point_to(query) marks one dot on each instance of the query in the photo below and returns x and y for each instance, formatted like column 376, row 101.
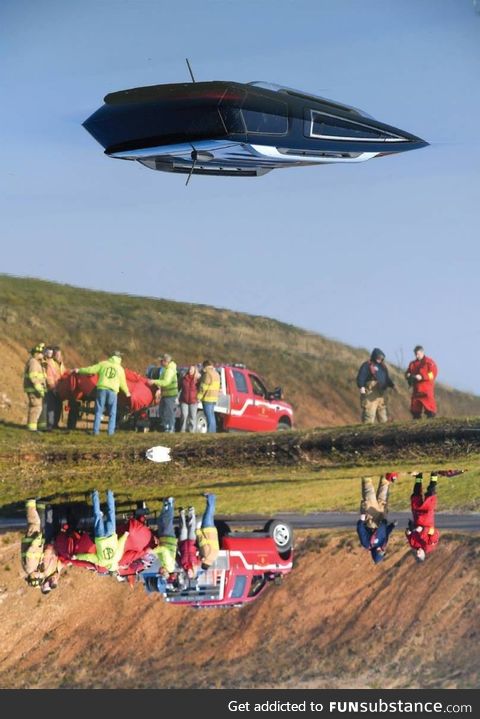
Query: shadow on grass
column 124, row 502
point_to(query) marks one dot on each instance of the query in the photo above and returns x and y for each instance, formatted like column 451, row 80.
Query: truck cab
column 248, row 562
column 245, row 404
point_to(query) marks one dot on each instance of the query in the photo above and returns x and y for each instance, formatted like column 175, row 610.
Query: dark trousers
column 54, row 409
column 167, row 413
column 431, row 489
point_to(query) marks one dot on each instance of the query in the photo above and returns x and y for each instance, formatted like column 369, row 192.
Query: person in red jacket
column 188, row 399
column 421, row 375
column 421, row 533
column 187, row 547
column 70, row 542
column 137, row 546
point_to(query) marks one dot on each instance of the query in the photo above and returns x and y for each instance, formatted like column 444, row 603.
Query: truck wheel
column 281, row 532
column 283, row 425
column 201, row 423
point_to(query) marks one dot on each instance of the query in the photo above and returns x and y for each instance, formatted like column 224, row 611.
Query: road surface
column 467, row 522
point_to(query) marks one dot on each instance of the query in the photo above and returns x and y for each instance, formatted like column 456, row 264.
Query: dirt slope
column 336, row 621
column 316, row 373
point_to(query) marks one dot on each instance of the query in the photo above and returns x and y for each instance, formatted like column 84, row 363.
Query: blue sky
column 383, row 253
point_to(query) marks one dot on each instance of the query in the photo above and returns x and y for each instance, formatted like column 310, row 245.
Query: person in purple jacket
column 373, row 528
column 188, row 399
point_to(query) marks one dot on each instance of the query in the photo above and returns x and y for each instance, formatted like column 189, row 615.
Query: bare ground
column 337, row 621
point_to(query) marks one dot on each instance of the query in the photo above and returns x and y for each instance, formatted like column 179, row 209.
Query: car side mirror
column 276, row 393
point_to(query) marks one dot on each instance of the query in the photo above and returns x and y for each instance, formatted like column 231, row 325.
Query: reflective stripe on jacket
column 207, row 540
column 32, row 552
column 209, row 385
column 166, row 552
column 34, row 380
column 423, row 389
column 38, row 559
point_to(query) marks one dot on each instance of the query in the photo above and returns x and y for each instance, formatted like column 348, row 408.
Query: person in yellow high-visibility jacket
column 109, row 547
column 38, row 556
column 166, row 549
column 168, row 383
column 207, row 534
column 111, row 379
column 208, row 393
column 35, row 387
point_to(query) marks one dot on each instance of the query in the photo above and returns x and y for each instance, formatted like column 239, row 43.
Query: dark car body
column 231, row 128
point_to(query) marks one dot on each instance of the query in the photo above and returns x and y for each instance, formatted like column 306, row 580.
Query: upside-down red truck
column 247, row 563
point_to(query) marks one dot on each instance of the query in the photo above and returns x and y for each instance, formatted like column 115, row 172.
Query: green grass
column 70, row 464
column 261, row 490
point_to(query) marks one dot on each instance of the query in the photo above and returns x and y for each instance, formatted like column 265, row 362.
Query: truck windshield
column 239, row 586
column 258, row 388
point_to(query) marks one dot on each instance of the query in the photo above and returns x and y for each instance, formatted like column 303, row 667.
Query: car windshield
column 258, row 388
column 324, row 125
column 265, row 115
column 308, row 96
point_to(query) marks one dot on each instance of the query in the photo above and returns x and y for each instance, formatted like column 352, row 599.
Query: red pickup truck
column 244, row 404
column 248, row 562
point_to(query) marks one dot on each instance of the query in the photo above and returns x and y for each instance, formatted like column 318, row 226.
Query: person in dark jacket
column 372, row 527
column 373, row 382
column 188, row 399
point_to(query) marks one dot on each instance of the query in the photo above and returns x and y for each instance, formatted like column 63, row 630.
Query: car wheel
column 282, row 534
column 201, row 423
column 283, row 425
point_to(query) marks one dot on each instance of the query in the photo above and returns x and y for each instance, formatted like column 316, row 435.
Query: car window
column 265, row 115
column 240, row 381
column 258, row 582
column 232, row 119
column 323, row 125
column 258, row 388
column 239, row 586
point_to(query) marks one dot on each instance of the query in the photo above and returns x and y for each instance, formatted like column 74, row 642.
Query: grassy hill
column 316, row 373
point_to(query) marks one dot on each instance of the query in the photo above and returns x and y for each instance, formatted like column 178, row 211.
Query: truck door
column 262, row 409
column 240, row 399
